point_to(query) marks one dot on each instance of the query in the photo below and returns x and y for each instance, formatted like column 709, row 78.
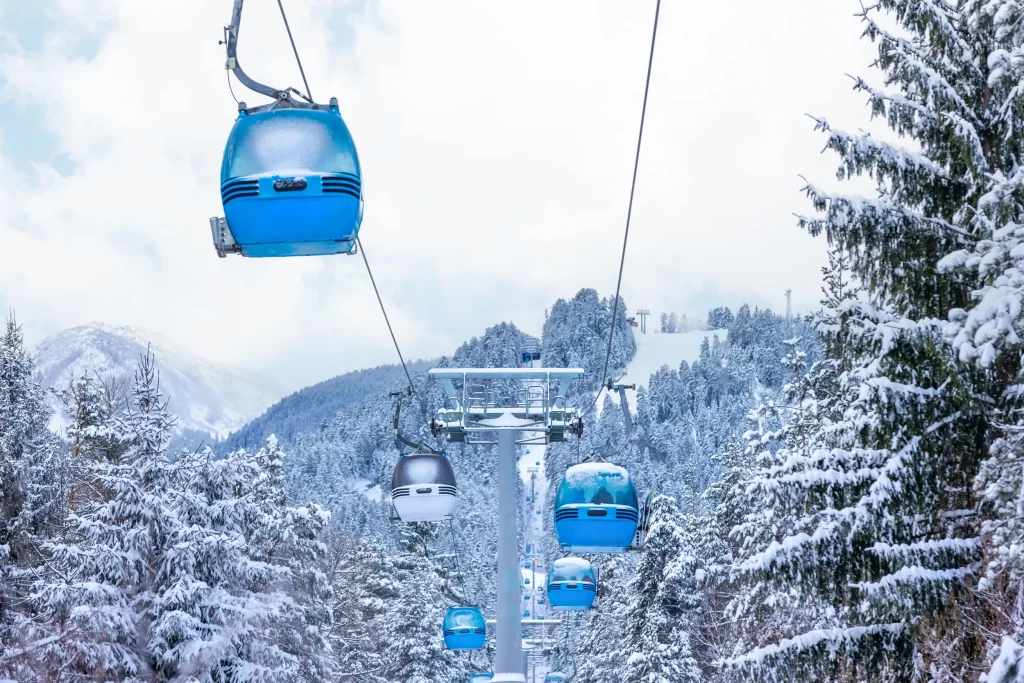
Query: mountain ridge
column 206, row 396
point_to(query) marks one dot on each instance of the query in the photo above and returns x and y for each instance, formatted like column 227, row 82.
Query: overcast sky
column 496, row 140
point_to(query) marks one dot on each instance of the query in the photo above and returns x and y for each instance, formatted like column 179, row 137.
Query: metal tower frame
column 537, row 409
column 643, row 313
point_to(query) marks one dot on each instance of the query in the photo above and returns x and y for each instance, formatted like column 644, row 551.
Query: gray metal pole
column 533, row 561
column 508, row 658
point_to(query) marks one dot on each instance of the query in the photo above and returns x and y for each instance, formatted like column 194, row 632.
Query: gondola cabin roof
column 289, row 142
column 571, row 569
column 596, row 483
column 423, row 468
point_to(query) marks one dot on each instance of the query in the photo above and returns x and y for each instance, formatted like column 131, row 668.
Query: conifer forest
column 835, row 494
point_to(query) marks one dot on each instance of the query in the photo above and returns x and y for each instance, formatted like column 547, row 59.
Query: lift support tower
column 531, row 410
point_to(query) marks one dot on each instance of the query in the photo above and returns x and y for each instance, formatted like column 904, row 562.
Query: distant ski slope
column 654, row 350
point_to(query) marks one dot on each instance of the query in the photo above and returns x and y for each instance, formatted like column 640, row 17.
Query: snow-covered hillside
column 206, row 396
column 655, row 350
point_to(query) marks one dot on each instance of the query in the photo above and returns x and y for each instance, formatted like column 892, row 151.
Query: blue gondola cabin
column 464, row 628
column 596, row 509
column 291, row 184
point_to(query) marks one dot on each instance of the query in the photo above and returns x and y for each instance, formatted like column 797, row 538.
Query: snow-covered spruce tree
column 576, row 336
column 884, row 530
column 987, row 331
column 762, row 612
column 101, row 600
column 713, row 634
column 364, row 587
column 32, row 495
column 600, row 655
column 412, row 629
column 288, row 538
column 872, row 537
column 90, row 403
column 656, row 647
column 214, row 613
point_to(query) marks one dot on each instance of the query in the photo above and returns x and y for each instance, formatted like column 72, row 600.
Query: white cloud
column 497, row 145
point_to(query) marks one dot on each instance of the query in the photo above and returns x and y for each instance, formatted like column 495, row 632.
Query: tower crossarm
column 538, row 405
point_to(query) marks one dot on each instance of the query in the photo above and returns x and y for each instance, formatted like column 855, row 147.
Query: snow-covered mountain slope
column 206, row 396
column 656, row 349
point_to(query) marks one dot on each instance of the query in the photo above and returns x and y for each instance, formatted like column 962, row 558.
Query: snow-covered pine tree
column 576, row 336
column 364, row 586
column 720, row 318
column 600, row 656
column 32, row 495
column 412, row 629
column 656, row 647
column 89, row 404
column 762, row 612
column 215, row 609
column 288, row 538
column 884, row 529
column 986, row 331
column 862, row 573
column 98, row 603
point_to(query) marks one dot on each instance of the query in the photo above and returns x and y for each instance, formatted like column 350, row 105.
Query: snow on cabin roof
column 592, row 472
column 576, row 564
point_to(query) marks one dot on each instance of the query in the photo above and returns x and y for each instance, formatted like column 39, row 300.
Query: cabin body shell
column 423, row 488
column 596, row 509
column 291, row 183
column 464, row 628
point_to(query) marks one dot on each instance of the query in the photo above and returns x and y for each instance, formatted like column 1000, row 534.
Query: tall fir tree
column 32, row 501
column 365, row 587
column 986, row 330
column 884, row 529
column 413, row 627
column 288, row 538
column 104, row 598
column 601, row 654
column 659, row 615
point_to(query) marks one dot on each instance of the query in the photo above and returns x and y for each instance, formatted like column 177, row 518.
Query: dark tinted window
column 423, row 469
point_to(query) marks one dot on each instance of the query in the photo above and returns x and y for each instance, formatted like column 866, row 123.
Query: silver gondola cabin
column 423, row 488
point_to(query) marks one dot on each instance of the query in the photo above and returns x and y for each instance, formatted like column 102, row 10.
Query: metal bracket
column 223, row 240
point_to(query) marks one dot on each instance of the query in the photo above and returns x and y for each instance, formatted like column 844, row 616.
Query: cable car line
column 458, row 561
column 309, row 94
column 373, row 282
column 629, row 212
column 596, row 506
column 358, row 242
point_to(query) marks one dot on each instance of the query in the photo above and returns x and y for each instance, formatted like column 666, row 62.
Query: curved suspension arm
column 231, row 39
column 399, row 437
column 627, row 418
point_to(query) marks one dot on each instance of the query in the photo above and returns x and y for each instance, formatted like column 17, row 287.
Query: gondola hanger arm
column 626, row 416
column 231, row 40
column 401, row 438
